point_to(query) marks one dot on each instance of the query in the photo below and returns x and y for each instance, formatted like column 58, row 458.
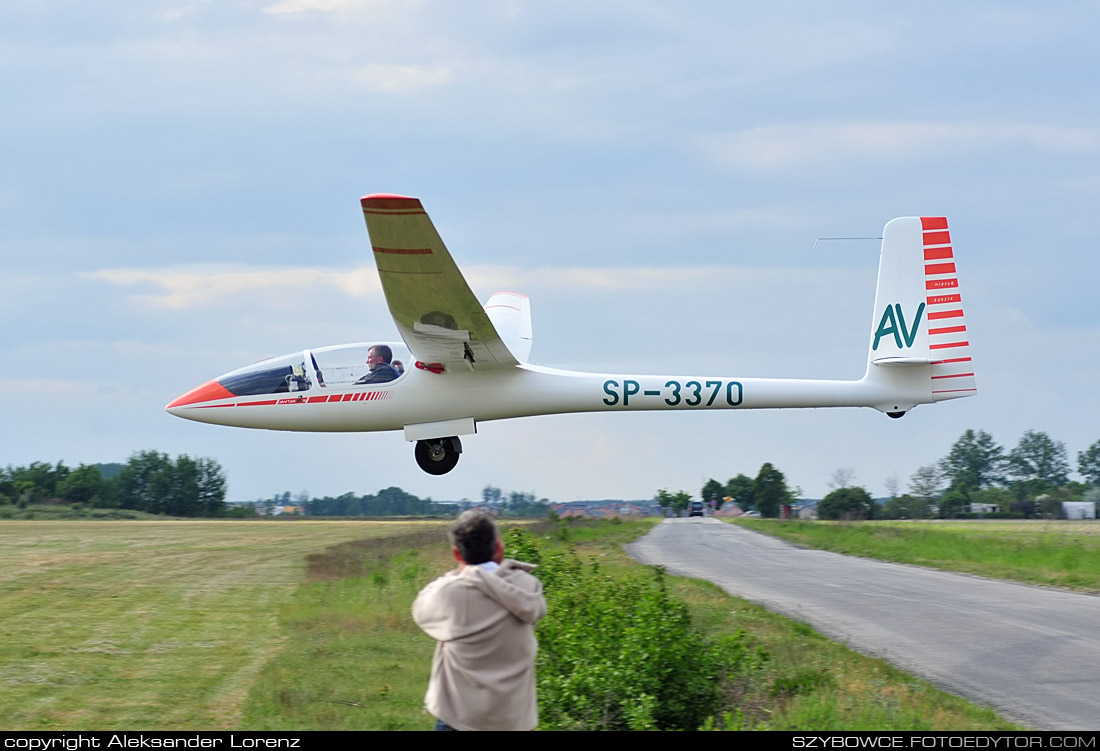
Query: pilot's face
column 373, row 359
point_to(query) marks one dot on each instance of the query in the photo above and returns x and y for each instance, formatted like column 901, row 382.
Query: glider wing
column 436, row 313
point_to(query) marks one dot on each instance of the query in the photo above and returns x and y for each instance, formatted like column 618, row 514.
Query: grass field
column 305, row 625
column 1051, row 553
column 146, row 625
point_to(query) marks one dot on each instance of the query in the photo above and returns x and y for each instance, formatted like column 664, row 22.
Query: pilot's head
column 379, row 353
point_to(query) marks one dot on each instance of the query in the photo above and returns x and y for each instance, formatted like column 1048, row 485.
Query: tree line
column 1030, row 480
column 390, row 501
column 394, row 501
column 766, row 494
column 149, row 481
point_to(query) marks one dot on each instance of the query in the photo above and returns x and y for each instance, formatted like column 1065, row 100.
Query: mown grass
column 355, row 660
column 146, row 625
column 306, row 625
column 1050, row 553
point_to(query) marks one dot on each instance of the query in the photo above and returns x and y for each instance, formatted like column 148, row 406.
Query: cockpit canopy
column 341, row 367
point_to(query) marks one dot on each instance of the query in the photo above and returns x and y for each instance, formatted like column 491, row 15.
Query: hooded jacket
column 483, row 673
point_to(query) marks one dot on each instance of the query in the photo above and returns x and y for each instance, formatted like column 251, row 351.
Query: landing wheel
column 439, row 455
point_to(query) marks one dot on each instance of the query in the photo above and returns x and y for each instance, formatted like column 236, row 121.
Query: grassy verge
column 146, row 625
column 354, row 659
column 1050, row 553
column 807, row 682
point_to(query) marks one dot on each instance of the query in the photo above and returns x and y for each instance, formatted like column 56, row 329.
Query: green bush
column 621, row 653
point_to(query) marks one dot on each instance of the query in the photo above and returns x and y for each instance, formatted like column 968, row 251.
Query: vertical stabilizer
column 918, row 320
column 510, row 313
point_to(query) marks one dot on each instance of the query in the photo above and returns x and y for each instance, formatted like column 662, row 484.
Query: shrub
column 621, row 653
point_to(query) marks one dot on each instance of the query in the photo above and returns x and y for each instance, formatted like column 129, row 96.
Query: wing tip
column 389, row 201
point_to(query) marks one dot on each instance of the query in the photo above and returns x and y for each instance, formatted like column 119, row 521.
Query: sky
column 179, row 186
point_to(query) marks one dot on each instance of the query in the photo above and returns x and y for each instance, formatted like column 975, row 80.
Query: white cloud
column 187, row 288
column 786, row 146
column 289, row 7
column 206, row 286
column 43, row 386
column 395, row 77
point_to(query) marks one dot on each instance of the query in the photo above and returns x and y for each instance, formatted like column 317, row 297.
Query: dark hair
column 383, row 351
column 475, row 534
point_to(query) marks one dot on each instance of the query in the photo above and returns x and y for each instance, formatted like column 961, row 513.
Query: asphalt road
column 1031, row 653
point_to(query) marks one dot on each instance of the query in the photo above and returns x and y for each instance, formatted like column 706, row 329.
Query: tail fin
column 918, row 316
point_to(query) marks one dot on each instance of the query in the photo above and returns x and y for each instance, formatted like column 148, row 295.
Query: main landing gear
column 438, row 456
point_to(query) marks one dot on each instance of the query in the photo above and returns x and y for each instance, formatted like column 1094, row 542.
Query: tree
column 955, row 501
column 893, row 485
column 83, row 485
column 1088, row 463
column 974, row 460
column 1039, row 458
column 740, row 489
column 154, row 483
column 905, row 507
column 849, row 504
column 925, row 482
column 770, row 492
column 675, row 502
column 491, row 495
column 713, row 491
column 842, row 478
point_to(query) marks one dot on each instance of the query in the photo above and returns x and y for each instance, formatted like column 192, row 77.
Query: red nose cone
column 207, row 392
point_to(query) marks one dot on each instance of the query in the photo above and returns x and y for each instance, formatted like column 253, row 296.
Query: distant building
column 984, row 508
column 1079, row 509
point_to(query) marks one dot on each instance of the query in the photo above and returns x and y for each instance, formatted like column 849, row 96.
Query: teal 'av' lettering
column 893, row 322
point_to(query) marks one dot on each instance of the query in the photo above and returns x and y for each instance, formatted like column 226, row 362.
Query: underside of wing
column 436, row 313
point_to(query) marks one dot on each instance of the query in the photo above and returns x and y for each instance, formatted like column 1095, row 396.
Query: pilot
column 378, row 360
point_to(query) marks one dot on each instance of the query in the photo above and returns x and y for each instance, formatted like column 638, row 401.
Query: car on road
column 696, row 509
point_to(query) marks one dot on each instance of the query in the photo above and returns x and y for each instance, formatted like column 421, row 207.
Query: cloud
column 290, row 7
column 787, row 146
column 395, row 77
column 202, row 287
column 43, row 386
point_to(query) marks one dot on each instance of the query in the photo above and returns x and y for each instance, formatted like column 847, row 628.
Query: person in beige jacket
column 483, row 616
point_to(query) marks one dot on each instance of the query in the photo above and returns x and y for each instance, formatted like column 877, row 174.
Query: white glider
column 462, row 363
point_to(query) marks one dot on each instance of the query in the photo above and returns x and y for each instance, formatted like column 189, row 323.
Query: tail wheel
column 438, row 456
